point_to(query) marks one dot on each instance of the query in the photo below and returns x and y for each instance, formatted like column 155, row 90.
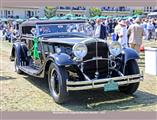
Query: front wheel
column 130, row 69
column 57, row 77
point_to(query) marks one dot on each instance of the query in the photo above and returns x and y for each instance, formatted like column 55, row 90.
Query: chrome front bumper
column 99, row 83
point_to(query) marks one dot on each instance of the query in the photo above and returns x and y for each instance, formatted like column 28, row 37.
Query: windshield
column 49, row 29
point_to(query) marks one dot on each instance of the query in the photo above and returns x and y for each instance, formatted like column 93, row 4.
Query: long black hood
column 69, row 41
column 73, row 40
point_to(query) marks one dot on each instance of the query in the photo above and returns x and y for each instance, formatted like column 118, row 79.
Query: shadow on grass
column 2, row 78
column 97, row 100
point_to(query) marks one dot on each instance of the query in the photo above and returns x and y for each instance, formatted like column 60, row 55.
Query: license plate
column 110, row 86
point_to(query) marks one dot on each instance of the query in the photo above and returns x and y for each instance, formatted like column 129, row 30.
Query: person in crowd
column 155, row 29
column 150, row 28
column 88, row 29
column 106, row 21
column 136, row 32
column 114, row 23
column 15, row 35
column 144, row 25
column 100, row 30
column 14, row 24
column 1, row 29
column 110, row 27
column 92, row 23
column 122, row 33
column 4, row 33
column 8, row 35
column 131, row 21
column 117, row 30
column 127, row 23
column 11, row 33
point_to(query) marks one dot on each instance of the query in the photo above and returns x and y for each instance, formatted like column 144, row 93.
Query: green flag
column 35, row 52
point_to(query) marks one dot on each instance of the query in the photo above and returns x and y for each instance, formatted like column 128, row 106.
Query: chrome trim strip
column 93, row 39
column 103, row 80
column 100, row 83
column 95, row 58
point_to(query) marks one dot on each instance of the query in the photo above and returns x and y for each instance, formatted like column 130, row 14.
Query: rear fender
column 21, row 52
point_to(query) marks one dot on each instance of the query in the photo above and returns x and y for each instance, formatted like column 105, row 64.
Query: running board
column 30, row 70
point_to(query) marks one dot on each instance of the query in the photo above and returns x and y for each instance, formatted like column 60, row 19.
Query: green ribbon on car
column 35, row 51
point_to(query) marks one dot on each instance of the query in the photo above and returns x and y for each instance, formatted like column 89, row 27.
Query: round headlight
column 80, row 50
column 115, row 48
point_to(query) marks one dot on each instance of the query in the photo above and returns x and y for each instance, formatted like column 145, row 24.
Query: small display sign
column 111, row 86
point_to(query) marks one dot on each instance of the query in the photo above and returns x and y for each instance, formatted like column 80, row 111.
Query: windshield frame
column 76, row 34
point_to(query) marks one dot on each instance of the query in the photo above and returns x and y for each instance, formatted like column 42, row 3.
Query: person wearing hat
column 100, row 30
column 136, row 32
column 123, row 36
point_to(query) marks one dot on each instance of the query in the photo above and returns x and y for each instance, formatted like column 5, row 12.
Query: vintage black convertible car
column 63, row 53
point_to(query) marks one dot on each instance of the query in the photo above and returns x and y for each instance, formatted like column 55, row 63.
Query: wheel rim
column 54, row 82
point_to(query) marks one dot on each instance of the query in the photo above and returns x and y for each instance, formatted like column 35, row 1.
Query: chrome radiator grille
column 96, row 60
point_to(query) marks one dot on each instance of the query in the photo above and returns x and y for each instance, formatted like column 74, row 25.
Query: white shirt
column 150, row 26
column 124, row 39
column 89, row 30
column 14, row 22
column 117, row 29
column 97, row 31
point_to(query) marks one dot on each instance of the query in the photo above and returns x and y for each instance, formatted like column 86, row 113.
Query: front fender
column 61, row 59
column 130, row 54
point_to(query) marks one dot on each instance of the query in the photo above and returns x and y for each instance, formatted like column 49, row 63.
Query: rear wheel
column 57, row 77
column 131, row 69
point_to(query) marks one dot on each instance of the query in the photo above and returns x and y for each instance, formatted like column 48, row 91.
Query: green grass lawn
column 151, row 43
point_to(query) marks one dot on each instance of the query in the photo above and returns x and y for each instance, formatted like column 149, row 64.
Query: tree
column 138, row 12
column 50, row 11
column 95, row 12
